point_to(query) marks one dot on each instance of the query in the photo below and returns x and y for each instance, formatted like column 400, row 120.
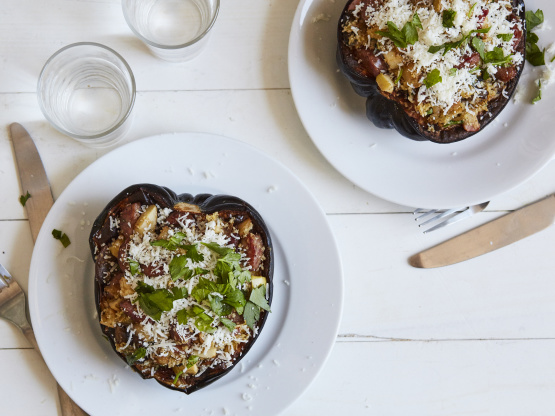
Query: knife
column 490, row 236
column 33, row 179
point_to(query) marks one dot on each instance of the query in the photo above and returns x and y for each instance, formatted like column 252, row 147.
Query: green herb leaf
column 497, row 58
column 430, row 111
column 432, row 78
column 258, row 297
column 179, row 293
column 399, row 75
column 177, row 377
column 173, row 243
column 538, row 97
column 236, row 298
column 448, row 18
column 453, row 71
column 192, row 253
column 471, row 11
column 228, row 323
column 216, row 248
column 23, row 198
column 533, row 19
column 505, row 37
column 155, row 301
column 479, row 46
column 134, row 266
column 204, row 323
column 252, row 314
column 408, row 35
column 534, row 54
column 452, row 45
column 64, row 239
column 192, row 360
column 218, row 306
column 453, row 123
column 179, row 269
column 139, row 354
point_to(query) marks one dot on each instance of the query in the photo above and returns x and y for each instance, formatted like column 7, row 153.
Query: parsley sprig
column 408, row 35
column 534, row 54
column 453, row 45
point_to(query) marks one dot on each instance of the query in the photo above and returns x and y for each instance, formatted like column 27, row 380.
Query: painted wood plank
column 368, row 378
column 508, row 293
column 264, row 119
column 247, row 49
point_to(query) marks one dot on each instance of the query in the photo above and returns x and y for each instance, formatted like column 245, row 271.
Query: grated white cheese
column 469, row 16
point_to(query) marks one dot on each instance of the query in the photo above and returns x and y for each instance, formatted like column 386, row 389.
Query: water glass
column 87, row 91
column 174, row 30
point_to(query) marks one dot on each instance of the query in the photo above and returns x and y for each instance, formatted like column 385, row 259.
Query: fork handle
column 67, row 406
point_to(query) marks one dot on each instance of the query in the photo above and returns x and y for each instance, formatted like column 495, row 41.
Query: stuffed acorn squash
column 183, row 284
column 437, row 70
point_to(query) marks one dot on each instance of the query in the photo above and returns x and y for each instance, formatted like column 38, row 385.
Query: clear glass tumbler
column 174, row 30
column 87, row 91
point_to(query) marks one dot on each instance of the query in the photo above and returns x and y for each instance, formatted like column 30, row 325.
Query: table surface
column 472, row 338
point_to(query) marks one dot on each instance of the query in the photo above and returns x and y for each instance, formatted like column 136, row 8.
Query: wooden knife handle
column 67, row 406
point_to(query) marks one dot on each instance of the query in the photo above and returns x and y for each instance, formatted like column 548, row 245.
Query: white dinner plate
column 308, row 286
column 418, row 174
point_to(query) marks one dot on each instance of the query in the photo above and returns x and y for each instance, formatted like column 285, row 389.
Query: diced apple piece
column 192, row 370
column 245, row 227
column 258, row 281
column 385, row 83
column 115, row 246
column 147, row 221
column 209, row 353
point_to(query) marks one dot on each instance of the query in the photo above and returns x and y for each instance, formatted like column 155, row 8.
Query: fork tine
column 424, row 213
column 456, row 218
column 439, row 216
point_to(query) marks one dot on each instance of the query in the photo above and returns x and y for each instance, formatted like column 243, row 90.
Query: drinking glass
column 87, row 91
column 174, row 30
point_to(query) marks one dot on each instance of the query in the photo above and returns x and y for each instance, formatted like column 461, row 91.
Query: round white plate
column 419, row 174
column 308, row 285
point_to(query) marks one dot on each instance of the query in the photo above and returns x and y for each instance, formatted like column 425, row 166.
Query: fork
column 446, row 217
column 12, row 308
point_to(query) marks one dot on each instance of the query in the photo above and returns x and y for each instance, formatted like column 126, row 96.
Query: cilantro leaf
column 192, row 252
column 155, row 301
column 452, row 45
column 533, row 19
column 505, row 37
column 192, row 360
column 218, row 306
column 251, row 314
column 179, row 293
column 479, row 45
column 236, row 298
column 134, row 266
column 408, row 35
column 496, row 57
column 173, row 243
column 64, row 239
column 216, row 248
column 448, row 18
column 138, row 355
column 432, row 78
column 179, row 269
column 228, row 323
column 23, row 198
column 534, row 54
column 258, row 297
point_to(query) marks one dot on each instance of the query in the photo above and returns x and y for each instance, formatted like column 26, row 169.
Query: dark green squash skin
column 386, row 113
column 148, row 194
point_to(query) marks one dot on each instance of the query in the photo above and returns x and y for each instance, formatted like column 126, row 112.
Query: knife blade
column 491, row 236
column 33, row 179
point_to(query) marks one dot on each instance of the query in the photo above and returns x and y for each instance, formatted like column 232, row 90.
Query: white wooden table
column 473, row 338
